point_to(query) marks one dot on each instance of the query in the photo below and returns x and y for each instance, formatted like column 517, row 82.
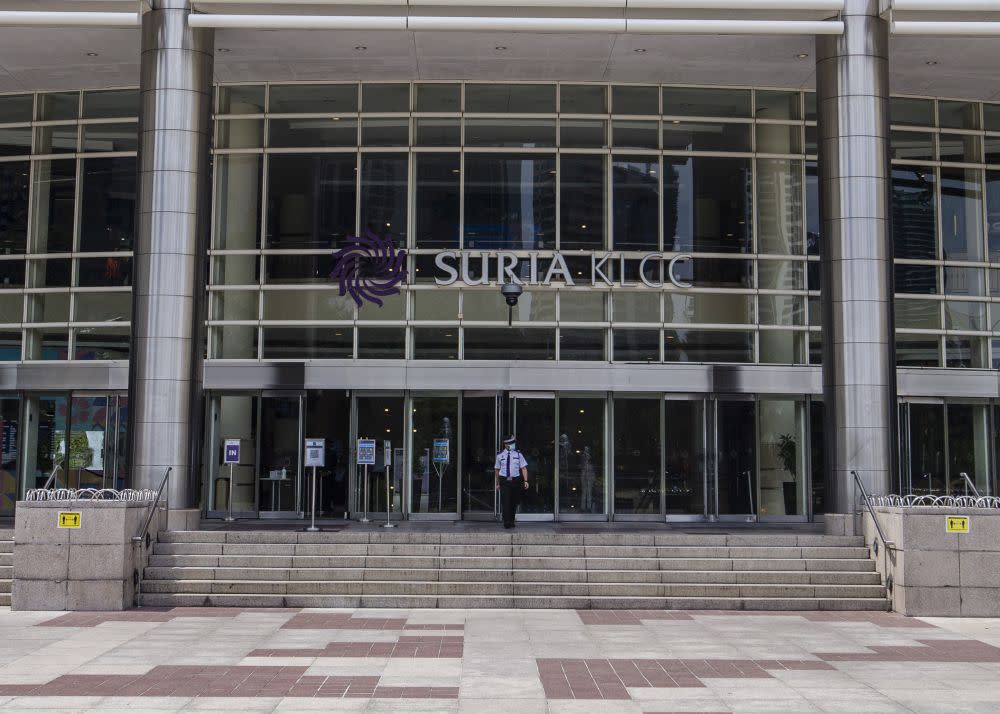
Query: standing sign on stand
column 315, row 458
column 387, row 462
column 231, row 456
column 366, row 458
column 440, row 457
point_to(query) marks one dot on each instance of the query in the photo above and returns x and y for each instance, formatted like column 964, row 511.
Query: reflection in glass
column 581, row 345
column 56, row 139
column 927, row 449
column 736, row 458
column 381, row 342
column 966, row 352
column 635, row 134
column 911, row 145
column 530, row 343
column 101, row 343
column 289, row 305
column 684, row 454
column 779, row 138
column 385, row 97
column 912, row 112
column 437, row 200
column 782, row 457
column 637, row 461
column 779, row 206
column 968, row 448
column 686, row 136
column 707, row 204
column 627, row 99
column 385, row 132
column 308, row 343
column 708, row 346
column 510, row 98
column 534, row 422
column 702, row 102
column 918, row 314
column 916, row 279
column 310, row 202
column 961, row 148
column 382, row 418
column 583, row 134
column 278, row 470
column 509, row 201
column 110, row 137
column 582, row 187
column 526, row 133
column 237, row 205
column 993, row 215
column 917, row 350
column 773, row 104
column 632, row 345
column 112, row 104
column 14, row 205
column 437, row 132
column 438, row 97
column 107, row 204
column 635, row 188
column 583, row 99
column 958, row 115
column 233, row 342
column 313, row 98
column 914, row 212
column 56, row 106
column 479, row 448
column 961, row 214
column 581, row 455
column 315, row 131
column 434, row 421
column 435, row 342
column 241, row 99
column 383, row 195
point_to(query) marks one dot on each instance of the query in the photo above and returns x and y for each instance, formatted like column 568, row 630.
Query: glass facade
column 555, row 176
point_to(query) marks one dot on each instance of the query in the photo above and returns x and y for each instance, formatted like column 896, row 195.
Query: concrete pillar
column 173, row 220
column 859, row 370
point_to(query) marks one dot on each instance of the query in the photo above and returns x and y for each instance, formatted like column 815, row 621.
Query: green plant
column 787, row 453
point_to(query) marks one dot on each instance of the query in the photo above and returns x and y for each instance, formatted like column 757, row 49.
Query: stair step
column 513, row 575
column 542, row 563
column 488, row 601
column 538, row 588
column 495, row 551
column 669, row 538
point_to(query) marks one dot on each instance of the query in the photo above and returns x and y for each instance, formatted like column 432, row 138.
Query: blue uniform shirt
column 510, row 463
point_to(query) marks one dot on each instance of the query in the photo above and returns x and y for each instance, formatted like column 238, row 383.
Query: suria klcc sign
column 483, row 267
column 371, row 267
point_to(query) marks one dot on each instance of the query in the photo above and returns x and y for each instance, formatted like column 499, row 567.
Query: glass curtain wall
column 434, row 453
column 942, row 441
column 581, row 455
column 67, row 224
column 299, row 169
column 10, row 432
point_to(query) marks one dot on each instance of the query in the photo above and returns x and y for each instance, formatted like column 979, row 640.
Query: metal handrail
column 144, row 532
column 52, row 477
column 143, row 535
column 871, row 511
column 969, row 485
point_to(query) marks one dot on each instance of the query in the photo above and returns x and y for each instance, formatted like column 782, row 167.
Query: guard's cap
column 509, row 440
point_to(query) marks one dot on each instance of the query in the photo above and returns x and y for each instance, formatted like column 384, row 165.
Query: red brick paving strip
column 609, row 678
column 222, row 681
column 927, row 651
column 405, row 646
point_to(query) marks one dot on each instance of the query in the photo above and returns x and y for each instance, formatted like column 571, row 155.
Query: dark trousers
column 510, row 497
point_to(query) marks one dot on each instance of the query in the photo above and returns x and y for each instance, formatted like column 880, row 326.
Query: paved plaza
column 496, row 661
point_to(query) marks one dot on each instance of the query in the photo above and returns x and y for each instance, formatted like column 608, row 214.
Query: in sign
column 232, row 452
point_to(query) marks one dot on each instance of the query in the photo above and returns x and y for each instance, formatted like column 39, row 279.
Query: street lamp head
column 511, row 292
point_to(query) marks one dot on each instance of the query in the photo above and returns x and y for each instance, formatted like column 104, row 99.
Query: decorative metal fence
column 912, row 500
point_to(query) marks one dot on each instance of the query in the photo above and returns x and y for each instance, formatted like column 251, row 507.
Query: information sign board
column 366, row 452
column 956, row 524
column 387, row 452
column 315, row 453
column 70, row 519
column 440, row 453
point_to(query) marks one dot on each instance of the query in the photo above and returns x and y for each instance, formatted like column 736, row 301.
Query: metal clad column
column 859, row 371
column 174, row 204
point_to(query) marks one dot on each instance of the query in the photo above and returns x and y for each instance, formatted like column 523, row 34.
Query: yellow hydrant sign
column 957, row 524
column 69, row 519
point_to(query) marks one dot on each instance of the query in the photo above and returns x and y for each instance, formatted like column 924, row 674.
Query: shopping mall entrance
column 591, row 456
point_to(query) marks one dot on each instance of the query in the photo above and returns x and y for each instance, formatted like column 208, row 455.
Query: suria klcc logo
column 369, row 267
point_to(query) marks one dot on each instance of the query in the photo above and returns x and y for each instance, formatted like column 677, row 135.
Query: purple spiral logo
column 369, row 267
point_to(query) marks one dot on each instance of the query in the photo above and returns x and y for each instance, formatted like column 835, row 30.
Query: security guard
column 511, row 472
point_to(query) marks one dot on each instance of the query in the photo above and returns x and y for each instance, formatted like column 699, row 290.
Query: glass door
column 279, row 464
column 637, row 440
column 736, row 459
column 232, row 417
column 380, row 417
column 685, row 458
column 434, row 456
column 925, row 458
column 531, row 417
column 328, row 416
column 581, row 457
column 480, row 440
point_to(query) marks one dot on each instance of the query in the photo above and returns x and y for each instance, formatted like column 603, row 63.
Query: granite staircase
column 6, row 565
column 666, row 570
